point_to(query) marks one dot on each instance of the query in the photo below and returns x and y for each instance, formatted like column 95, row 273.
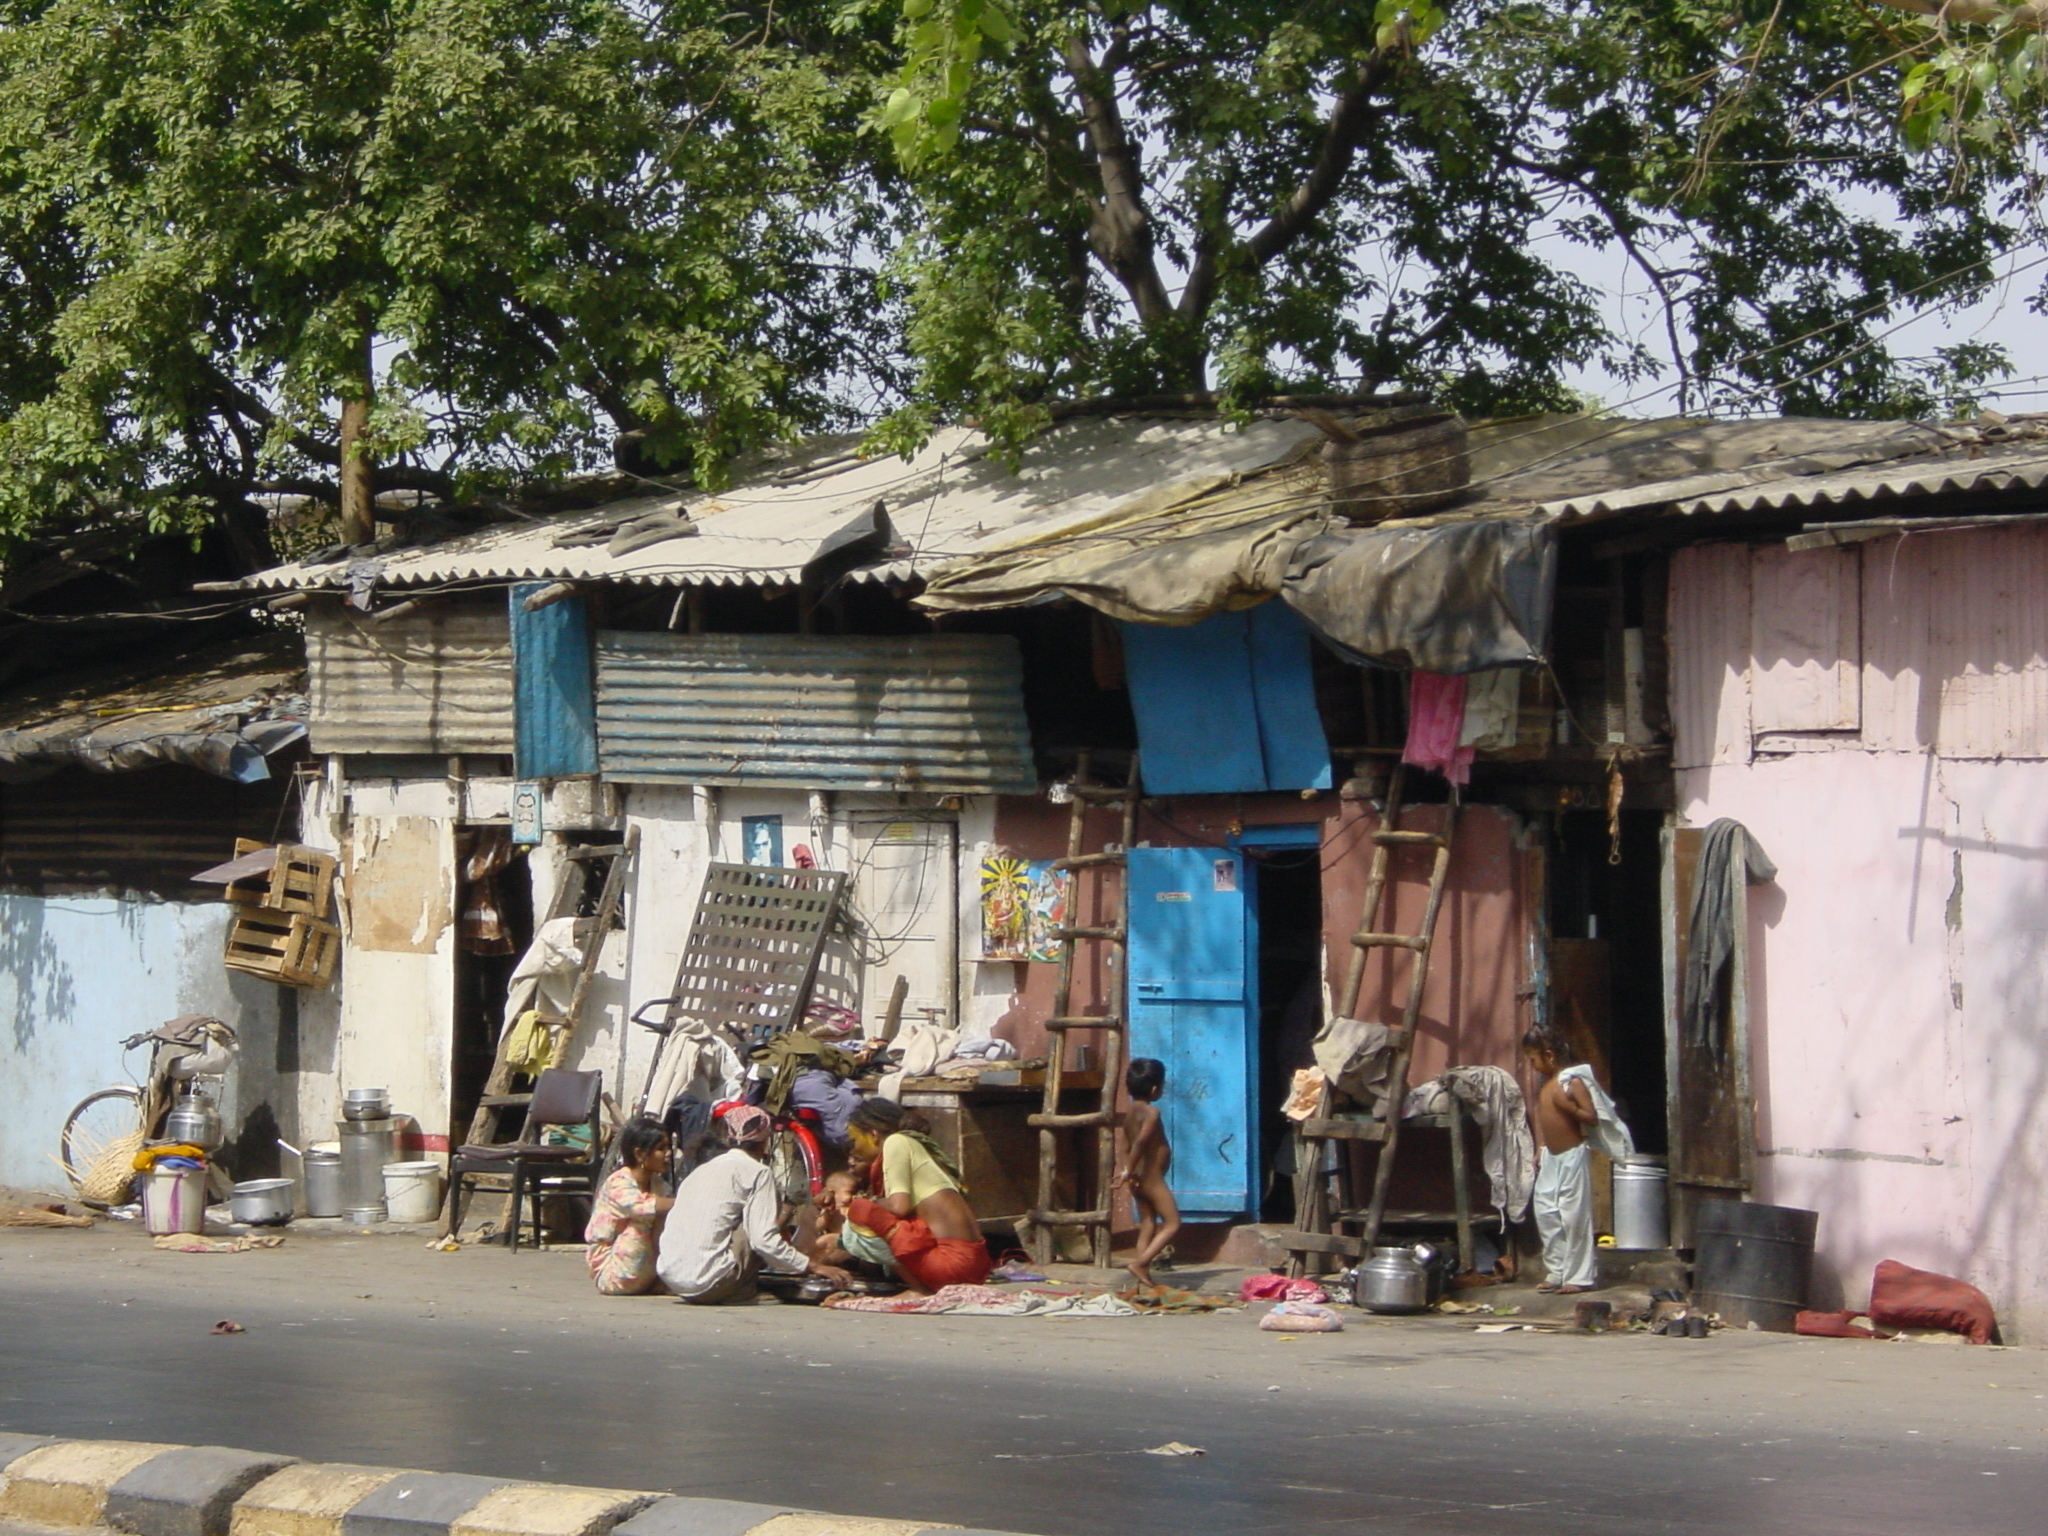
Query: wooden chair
column 559, row 1098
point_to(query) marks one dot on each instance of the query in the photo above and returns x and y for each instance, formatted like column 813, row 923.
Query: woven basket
column 1413, row 462
column 111, row 1178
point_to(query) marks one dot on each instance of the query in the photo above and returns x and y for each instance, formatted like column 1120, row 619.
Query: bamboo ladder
column 1046, row 1216
column 1314, row 1220
column 497, row 1096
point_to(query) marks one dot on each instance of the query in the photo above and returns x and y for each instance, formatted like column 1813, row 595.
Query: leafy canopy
column 537, row 223
column 1266, row 194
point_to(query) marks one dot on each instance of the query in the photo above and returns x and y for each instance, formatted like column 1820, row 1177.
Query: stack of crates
column 282, row 932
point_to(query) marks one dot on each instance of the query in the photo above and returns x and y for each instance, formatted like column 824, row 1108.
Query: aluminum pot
column 195, row 1121
column 1393, row 1281
column 366, row 1104
column 262, row 1202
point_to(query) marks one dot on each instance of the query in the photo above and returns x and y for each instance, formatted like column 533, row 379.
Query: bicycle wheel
column 99, row 1142
column 786, row 1163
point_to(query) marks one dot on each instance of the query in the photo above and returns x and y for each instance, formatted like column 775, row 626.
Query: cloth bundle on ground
column 1301, row 1317
column 1495, row 1100
column 1281, row 1288
column 989, row 1301
column 1904, row 1297
column 1831, row 1325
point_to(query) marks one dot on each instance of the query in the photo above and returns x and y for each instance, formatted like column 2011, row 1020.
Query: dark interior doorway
column 1607, row 958
column 483, row 970
column 1287, row 928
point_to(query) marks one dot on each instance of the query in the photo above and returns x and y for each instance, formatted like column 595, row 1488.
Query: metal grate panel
column 754, row 946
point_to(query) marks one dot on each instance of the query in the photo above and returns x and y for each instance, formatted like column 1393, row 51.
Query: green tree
column 513, row 232
column 1121, row 196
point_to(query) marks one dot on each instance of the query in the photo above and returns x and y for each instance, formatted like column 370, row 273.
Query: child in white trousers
column 1569, row 1109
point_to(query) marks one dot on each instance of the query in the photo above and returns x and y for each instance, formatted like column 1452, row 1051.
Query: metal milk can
column 1393, row 1281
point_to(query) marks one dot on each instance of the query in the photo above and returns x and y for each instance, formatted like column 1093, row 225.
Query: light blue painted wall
column 80, row 973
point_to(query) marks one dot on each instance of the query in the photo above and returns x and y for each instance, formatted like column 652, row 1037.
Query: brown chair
column 559, row 1098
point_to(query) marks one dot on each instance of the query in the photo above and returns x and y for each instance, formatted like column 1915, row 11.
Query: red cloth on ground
column 1831, row 1325
column 1436, row 718
column 1904, row 1297
column 1280, row 1288
column 932, row 1262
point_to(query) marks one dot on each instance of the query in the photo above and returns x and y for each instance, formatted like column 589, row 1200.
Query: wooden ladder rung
column 1088, row 861
column 1415, row 941
column 1099, row 794
column 1343, row 1130
column 606, row 851
column 1412, row 839
column 1111, row 935
column 1068, row 1122
column 1085, row 1021
column 1068, row 1218
column 504, row 1100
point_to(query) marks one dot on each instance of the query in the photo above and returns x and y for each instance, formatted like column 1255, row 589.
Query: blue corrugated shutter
column 1226, row 706
column 554, row 698
column 1190, row 1009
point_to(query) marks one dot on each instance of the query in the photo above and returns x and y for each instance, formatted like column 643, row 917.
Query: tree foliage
column 1123, row 196
column 539, row 224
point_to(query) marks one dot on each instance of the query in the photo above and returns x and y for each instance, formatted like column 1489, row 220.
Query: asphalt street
column 499, row 1364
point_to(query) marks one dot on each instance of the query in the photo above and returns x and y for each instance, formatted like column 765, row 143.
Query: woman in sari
column 922, row 1214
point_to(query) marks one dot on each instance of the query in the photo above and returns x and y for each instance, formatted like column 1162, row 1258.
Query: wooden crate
column 289, row 948
column 302, row 880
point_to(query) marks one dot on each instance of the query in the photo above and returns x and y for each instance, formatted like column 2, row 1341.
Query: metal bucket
column 324, row 1195
column 1641, row 1217
column 366, row 1146
column 1753, row 1263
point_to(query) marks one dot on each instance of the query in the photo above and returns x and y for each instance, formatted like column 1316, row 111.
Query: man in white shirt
column 722, row 1228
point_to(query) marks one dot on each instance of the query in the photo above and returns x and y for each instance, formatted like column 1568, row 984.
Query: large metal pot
column 1393, row 1281
column 195, row 1121
column 262, row 1202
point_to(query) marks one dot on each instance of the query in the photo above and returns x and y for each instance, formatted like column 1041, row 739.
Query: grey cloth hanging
column 1730, row 861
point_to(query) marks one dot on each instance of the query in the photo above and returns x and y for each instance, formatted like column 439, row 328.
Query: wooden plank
column 1297, row 1241
column 1343, row 1130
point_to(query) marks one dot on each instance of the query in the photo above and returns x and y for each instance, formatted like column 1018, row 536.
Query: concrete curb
column 181, row 1490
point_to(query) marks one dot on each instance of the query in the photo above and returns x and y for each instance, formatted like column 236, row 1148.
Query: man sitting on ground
column 722, row 1228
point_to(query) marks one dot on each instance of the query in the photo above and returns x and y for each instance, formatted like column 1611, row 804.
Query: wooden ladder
column 497, row 1096
column 1046, row 1215
column 1314, row 1220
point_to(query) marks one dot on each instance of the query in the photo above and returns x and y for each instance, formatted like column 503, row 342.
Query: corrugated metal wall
column 938, row 713
column 557, row 721
column 438, row 681
column 1950, row 648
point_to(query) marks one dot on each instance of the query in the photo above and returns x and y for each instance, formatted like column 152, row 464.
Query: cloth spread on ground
column 192, row 1242
column 1564, row 1216
column 925, row 1259
column 1162, row 1299
column 1493, row 709
column 1730, row 860
column 1436, row 722
column 1356, row 1055
column 733, row 1192
column 1495, row 1100
column 989, row 1301
column 915, row 1165
column 621, row 1236
column 1607, row 1133
column 831, row 1097
column 1280, row 1288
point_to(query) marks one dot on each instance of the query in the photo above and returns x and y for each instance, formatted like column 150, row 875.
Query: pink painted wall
column 1899, row 979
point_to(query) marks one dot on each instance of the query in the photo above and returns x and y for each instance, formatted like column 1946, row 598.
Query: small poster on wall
column 1023, row 902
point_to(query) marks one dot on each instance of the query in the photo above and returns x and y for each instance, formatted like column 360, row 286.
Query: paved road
column 489, row 1363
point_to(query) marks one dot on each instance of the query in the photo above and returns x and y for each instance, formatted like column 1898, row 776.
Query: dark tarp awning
column 1461, row 597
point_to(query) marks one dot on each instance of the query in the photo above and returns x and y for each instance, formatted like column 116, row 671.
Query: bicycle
column 97, row 1146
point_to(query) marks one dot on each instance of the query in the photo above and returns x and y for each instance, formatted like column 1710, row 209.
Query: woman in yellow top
column 922, row 1215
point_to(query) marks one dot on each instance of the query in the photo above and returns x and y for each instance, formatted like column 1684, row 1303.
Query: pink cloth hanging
column 1436, row 718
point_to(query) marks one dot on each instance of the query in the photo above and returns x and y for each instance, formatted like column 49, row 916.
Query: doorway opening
column 497, row 927
column 1607, row 958
column 1285, row 943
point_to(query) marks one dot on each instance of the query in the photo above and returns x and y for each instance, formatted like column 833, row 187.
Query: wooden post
column 358, row 471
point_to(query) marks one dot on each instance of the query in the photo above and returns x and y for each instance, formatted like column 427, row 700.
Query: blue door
column 1190, row 984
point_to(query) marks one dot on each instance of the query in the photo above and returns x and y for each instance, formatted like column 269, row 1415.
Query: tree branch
column 1121, row 232
column 1341, row 136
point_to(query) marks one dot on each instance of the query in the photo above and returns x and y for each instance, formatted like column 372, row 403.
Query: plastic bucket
column 1753, row 1263
column 1641, row 1217
column 412, row 1191
column 174, row 1200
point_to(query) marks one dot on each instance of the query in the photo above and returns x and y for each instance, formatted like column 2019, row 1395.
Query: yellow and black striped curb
column 145, row 1489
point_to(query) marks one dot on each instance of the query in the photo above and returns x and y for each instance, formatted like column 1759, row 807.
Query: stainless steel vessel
column 1393, row 1281
column 366, row 1146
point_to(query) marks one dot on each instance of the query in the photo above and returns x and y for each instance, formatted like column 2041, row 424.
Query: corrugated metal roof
column 934, row 713
column 437, row 682
column 2019, row 467
column 952, row 500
